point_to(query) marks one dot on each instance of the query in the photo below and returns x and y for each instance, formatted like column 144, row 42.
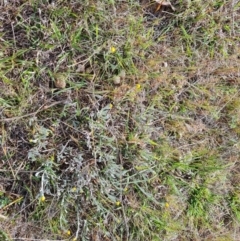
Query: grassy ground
column 120, row 120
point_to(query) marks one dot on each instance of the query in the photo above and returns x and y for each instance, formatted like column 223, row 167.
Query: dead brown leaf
column 164, row 3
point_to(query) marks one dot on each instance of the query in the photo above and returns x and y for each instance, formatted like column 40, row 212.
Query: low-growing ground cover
column 119, row 120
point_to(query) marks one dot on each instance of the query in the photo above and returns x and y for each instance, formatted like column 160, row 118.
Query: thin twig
column 121, row 198
column 41, row 108
column 30, row 239
column 3, row 217
column 78, row 224
column 14, row 37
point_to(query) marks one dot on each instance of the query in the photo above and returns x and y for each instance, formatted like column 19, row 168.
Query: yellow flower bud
column 138, row 86
column 74, row 189
column 113, row 50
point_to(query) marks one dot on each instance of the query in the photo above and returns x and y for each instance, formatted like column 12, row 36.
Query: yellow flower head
column 167, row 205
column 68, row 232
column 138, row 86
column 51, row 158
column 110, row 105
column 74, row 189
column 118, row 203
column 112, row 49
column 42, row 198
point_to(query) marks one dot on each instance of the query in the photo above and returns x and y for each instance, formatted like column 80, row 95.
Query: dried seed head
column 80, row 68
column 122, row 74
column 60, row 80
column 116, row 79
